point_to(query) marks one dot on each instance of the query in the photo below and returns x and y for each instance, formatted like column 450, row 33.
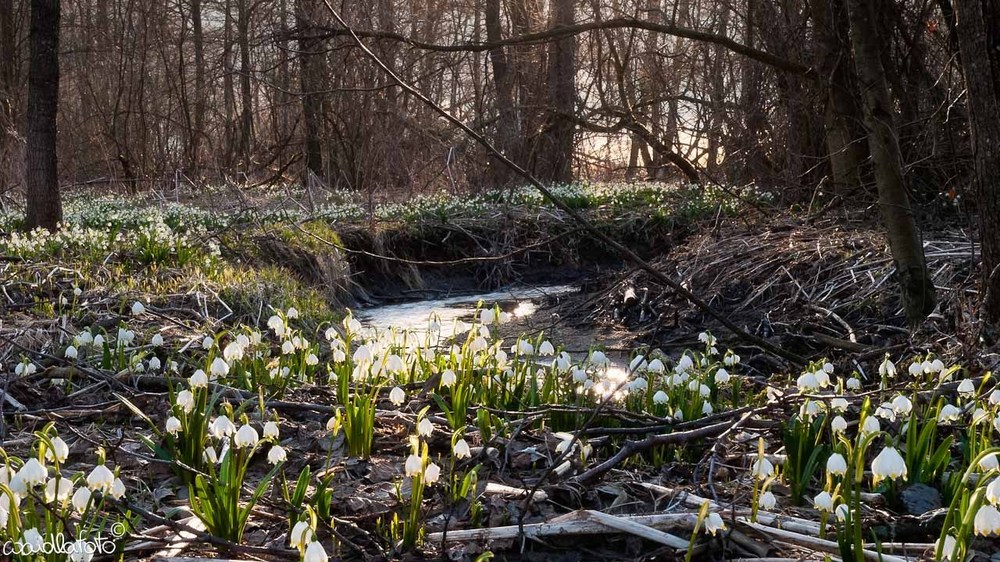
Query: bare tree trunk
column 246, row 93
column 198, row 38
column 978, row 25
column 44, row 207
column 557, row 156
column 833, row 56
column 310, row 67
column 507, row 128
column 228, row 87
column 917, row 289
column 8, row 87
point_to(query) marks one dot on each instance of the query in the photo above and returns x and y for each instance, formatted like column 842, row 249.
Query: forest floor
column 692, row 444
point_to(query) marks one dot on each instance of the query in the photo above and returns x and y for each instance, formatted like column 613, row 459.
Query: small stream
column 414, row 316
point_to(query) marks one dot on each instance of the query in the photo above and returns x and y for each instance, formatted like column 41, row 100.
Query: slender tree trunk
column 8, row 87
column 198, row 38
column 228, row 86
column 246, row 93
column 978, row 26
column 917, row 289
column 44, row 207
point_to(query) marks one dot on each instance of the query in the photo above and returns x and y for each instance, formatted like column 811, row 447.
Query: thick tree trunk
column 833, row 58
column 310, row 67
column 44, row 207
column 978, row 26
column 507, row 130
column 556, row 158
column 917, row 289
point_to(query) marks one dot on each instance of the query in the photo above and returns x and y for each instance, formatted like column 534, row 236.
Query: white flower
column 219, row 368
column 276, row 324
column 993, row 491
column 58, row 489
column 762, row 468
column 461, row 449
column 118, row 489
column 70, row 352
column 853, row 383
column 949, row 413
column 987, row 521
column 81, row 499
column 81, row 550
column 234, row 351
column 276, row 455
column 838, row 424
column 947, row 546
column 397, row 396
column 363, row 355
column 432, row 473
column 271, row 430
column 995, row 397
column 185, row 400
column 138, row 308
column 836, row 464
column 59, row 450
column 839, row 404
column 292, row 313
column 638, row 385
column 173, row 425
column 731, row 359
column 767, row 500
column 157, row 340
column 706, row 408
column 311, row 359
column 246, row 437
column 101, row 479
column 871, row 425
column 598, row 358
column 198, row 380
column 301, row 535
column 546, row 349
column 828, row 367
column 714, row 523
column 425, row 427
column 684, row 364
column 660, row 397
column 315, row 553
column 207, row 342
column 486, row 316
column 807, row 382
column 414, row 465
column 287, row 347
column 823, row 501
column 99, row 340
column 842, row 511
column 125, row 337
column 32, row 541
column 902, row 405
column 888, row 464
column 221, row 427
column 32, row 473
column 154, row 364
column 966, row 388
column 887, row 368
column 210, row 455
column 989, row 462
column 478, row 344
column 937, row 366
column 916, row 368
column 448, row 378
column 722, row 376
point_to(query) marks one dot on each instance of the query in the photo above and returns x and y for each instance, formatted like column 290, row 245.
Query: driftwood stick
column 634, row 447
